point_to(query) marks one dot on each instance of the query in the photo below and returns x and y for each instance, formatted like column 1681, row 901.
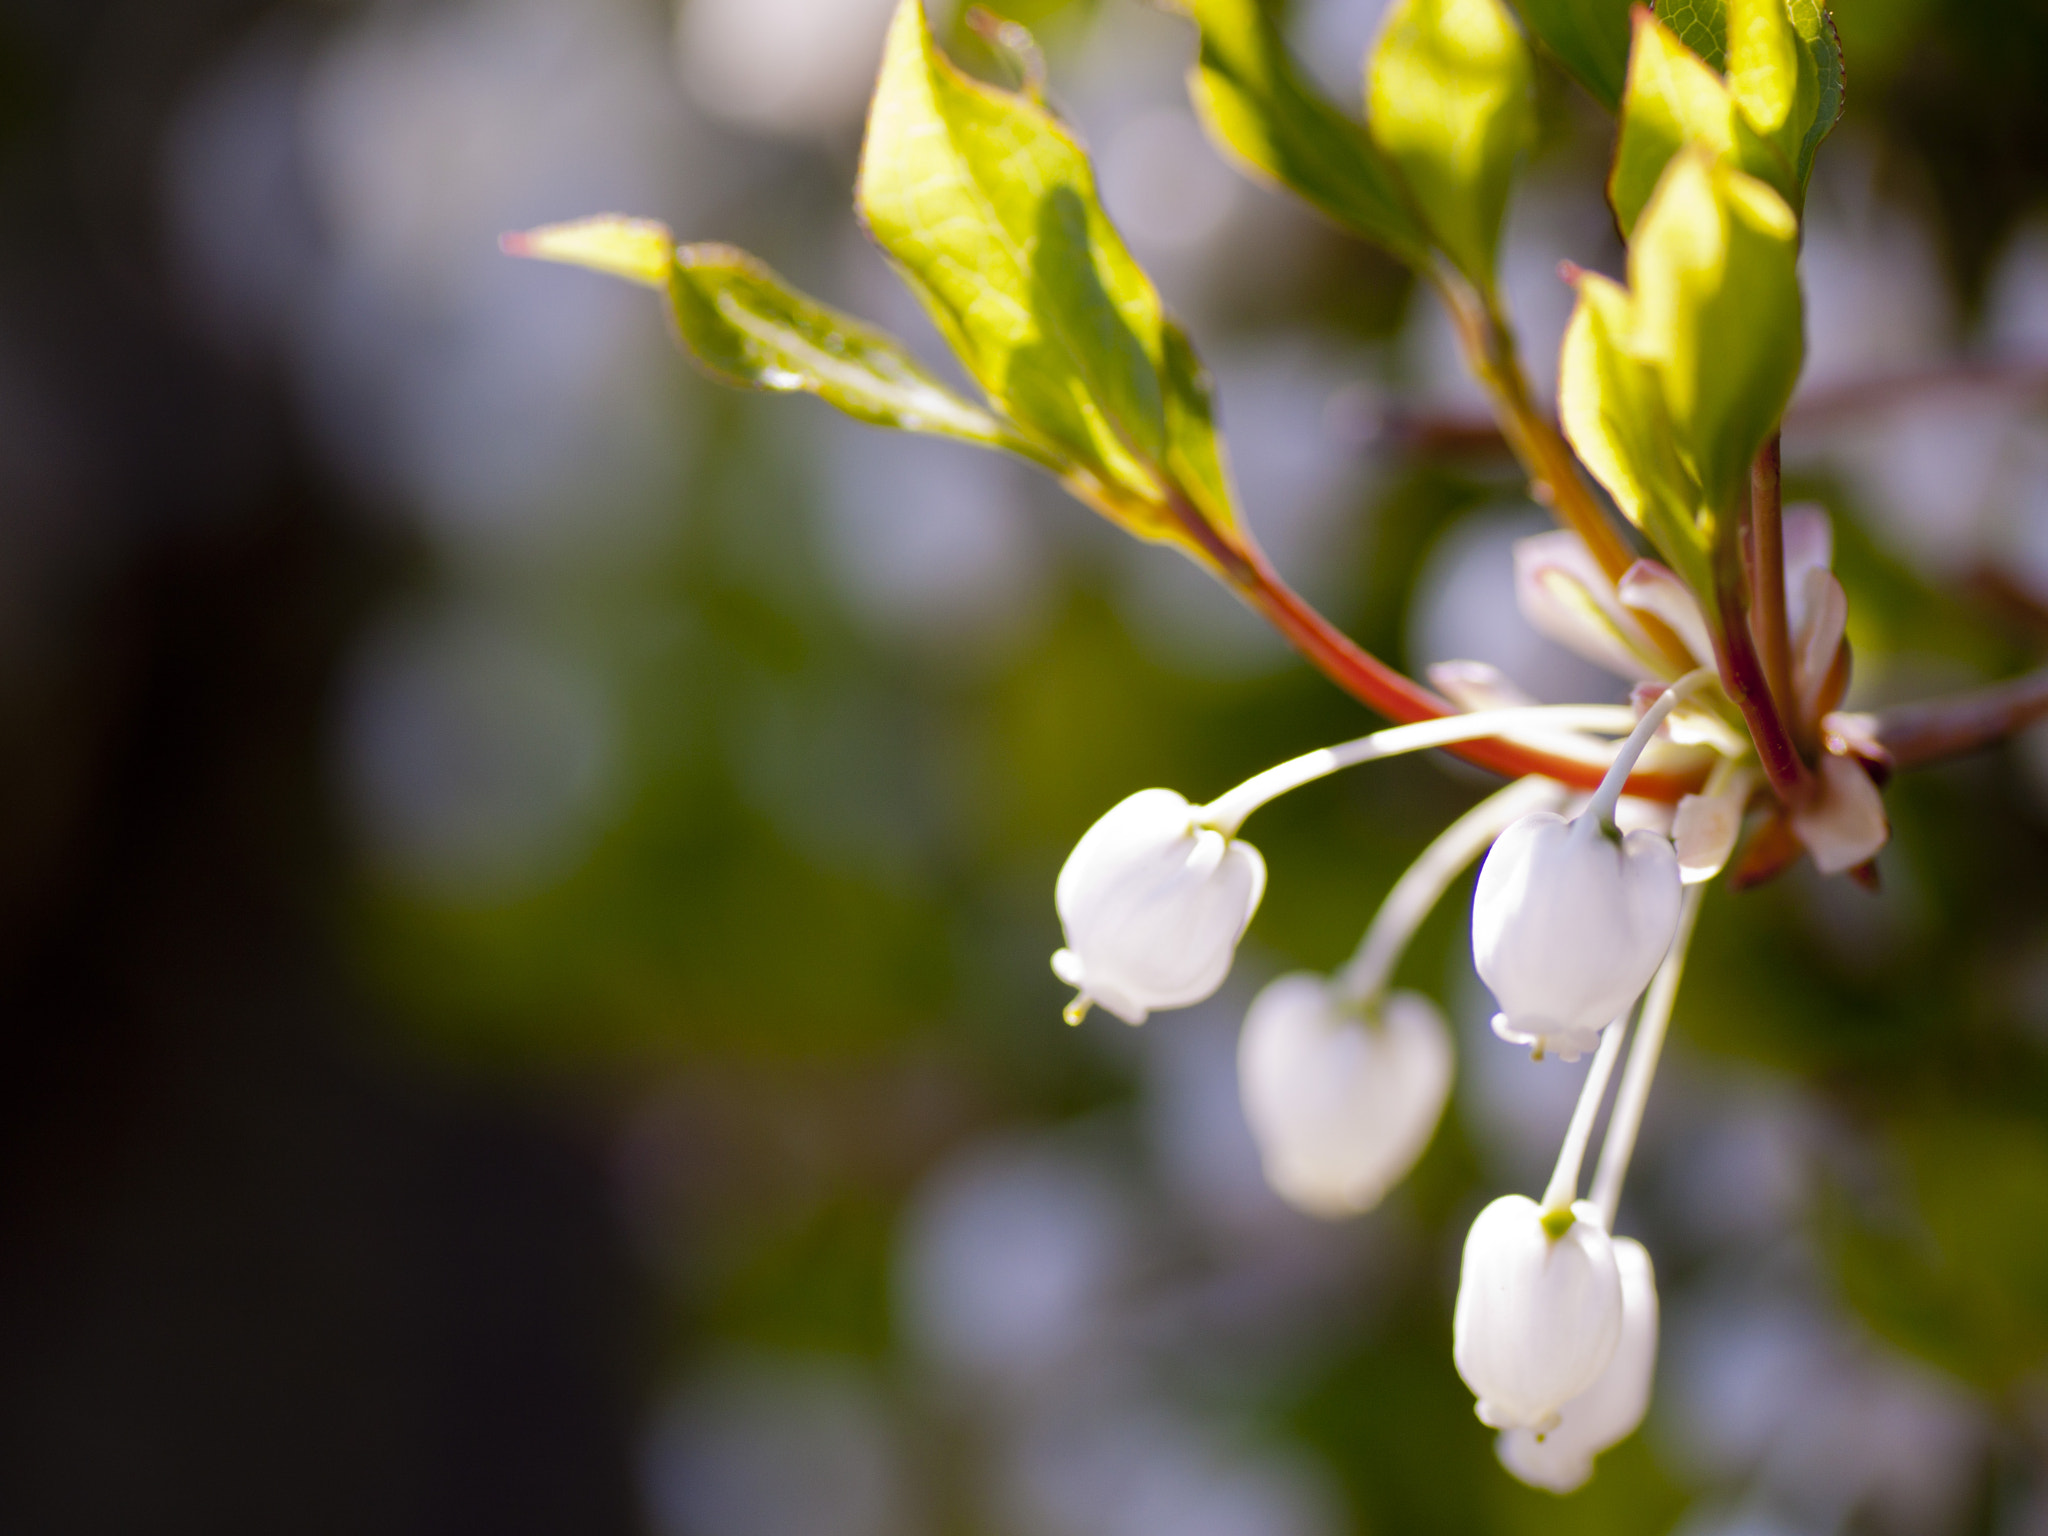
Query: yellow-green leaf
column 988, row 206
column 1674, row 100
column 1612, row 406
column 1256, row 105
column 1771, row 74
column 1704, row 26
column 1588, row 37
column 1451, row 103
column 1712, row 274
column 639, row 250
column 748, row 328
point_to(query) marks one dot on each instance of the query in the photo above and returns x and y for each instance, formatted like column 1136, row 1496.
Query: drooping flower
column 1569, row 922
column 1152, row 904
column 1341, row 1106
column 1538, row 1316
column 1607, row 1412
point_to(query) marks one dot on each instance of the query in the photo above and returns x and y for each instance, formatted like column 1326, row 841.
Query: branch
column 1919, row 734
column 1467, row 434
column 1371, row 681
column 1383, row 688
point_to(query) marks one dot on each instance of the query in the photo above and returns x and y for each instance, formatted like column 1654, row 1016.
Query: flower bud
column 1152, row 905
column 1340, row 1107
column 1539, row 1311
column 1569, row 922
column 1607, row 1412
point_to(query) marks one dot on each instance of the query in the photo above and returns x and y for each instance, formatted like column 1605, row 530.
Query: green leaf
column 989, row 208
column 1712, row 272
column 748, row 328
column 1194, row 455
column 1674, row 100
column 1771, row 75
column 1700, row 25
column 1703, row 26
column 1257, row 106
column 1612, row 405
column 1588, row 37
column 1816, row 27
column 1452, row 105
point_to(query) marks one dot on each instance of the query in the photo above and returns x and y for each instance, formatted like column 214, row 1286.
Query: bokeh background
column 525, row 880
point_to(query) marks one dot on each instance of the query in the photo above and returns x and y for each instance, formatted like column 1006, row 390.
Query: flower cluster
column 1343, row 1079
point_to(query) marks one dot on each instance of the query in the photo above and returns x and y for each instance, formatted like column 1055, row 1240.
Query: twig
column 1918, row 734
column 1742, row 675
column 1767, row 581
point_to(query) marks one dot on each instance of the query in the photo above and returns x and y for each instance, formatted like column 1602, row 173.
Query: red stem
column 1742, row 675
column 1401, row 699
column 1767, row 581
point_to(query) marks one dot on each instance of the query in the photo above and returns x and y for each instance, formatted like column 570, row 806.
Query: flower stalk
column 1422, row 885
column 1563, row 1188
column 1633, row 1097
column 1608, row 795
column 1228, row 812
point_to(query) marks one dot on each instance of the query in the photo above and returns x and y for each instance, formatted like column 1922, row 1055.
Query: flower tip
column 516, row 242
column 1077, row 1010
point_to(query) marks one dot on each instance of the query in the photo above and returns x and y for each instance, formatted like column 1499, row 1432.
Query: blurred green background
column 527, row 892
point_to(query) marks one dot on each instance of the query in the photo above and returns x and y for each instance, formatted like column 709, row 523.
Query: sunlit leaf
column 744, row 324
column 1703, row 27
column 988, row 206
column 1612, row 406
column 1717, row 313
column 1772, row 75
column 1588, row 37
column 639, row 250
column 1256, row 104
column 1674, row 100
column 748, row 328
column 1451, row 104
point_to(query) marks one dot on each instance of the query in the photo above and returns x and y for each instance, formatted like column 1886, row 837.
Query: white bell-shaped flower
column 1607, row 1412
column 1539, row 1311
column 1152, row 904
column 1341, row 1107
column 1569, row 922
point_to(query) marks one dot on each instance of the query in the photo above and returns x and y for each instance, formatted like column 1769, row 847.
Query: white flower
column 1539, row 1311
column 1340, row 1108
column 1152, row 905
column 1569, row 923
column 1607, row 1412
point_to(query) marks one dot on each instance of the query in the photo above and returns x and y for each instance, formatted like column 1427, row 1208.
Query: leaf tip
column 638, row 250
